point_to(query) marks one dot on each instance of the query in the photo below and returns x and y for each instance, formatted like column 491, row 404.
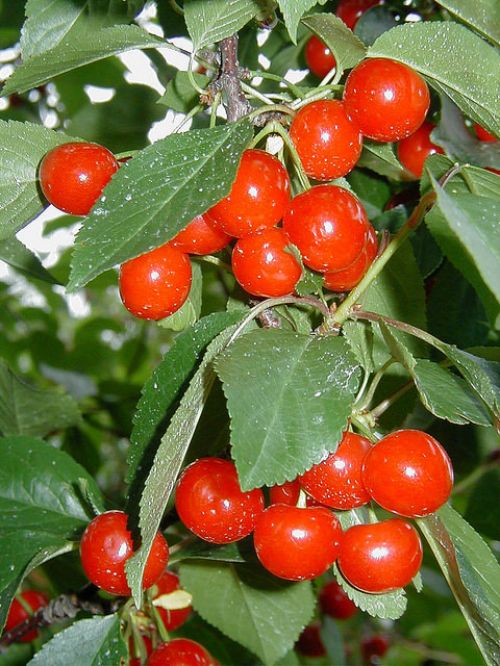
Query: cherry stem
column 382, row 407
column 304, row 180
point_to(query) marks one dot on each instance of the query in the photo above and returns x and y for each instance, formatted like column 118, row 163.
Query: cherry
column 408, row 472
column 348, row 278
column 297, row 543
column 380, row 557
column 211, row 504
column 73, row 176
column 181, row 652
column 106, row 546
column 263, row 266
column 287, row 493
column 336, row 482
column 482, row 134
column 350, row 11
column 309, row 643
column 148, row 645
column 327, row 142
column 258, row 197
column 157, row 283
column 374, row 647
column 18, row 614
column 320, row 60
column 328, row 225
column 335, row 602
column 414, row 150
column 200, row 238
column 387, row 100
column 172, row 619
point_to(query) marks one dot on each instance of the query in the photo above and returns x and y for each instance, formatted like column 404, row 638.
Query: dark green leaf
column 189, row 313
column 480, row 15
column 202, row 550
column 155, row 194
column 293, row 11
column 380, row 157
column 468, row 180
column 180, row 94
column 483, row 509
column 309, row 283
column 374, row 22
column 17, row 255
column 210, row 22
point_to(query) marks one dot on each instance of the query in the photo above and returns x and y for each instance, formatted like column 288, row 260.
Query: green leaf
column 29, row 410
column 480, row 15
column 210, row 22
column 263, row 613
column 189, row 313
column 22, row 147
column 473, row 575
column 17, row 255
column 202, row 550
column 168, row 460
column 81, row 49
column 373, row 23
column 485, row 521
column 180, row 95
column 163, row 388
column 469, row 179
column 289, row 396
column 359, row 335
column 447, row 54
column 380, row 157
column 293, row 11
column 97, row 642
column 345, row 46
column 155, row 194
column 309, row 283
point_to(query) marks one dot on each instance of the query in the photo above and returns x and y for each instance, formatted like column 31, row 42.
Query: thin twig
column 229, row 80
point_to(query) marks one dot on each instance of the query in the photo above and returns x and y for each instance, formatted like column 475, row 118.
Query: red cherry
column 380, row 557
column 348, row 278
column 336, row 482
column 408, row 472
column 211, row 504
column 350, row 11
column 157, row 283
column 18, row 614
column 374, row 647
column 172, row 619
column 73, row 176
column 287, row 493
column 387, row 100
column 105, row 547
column 328, row 225
column 310, row 643
column 258, row 197
column 200, row 238
column 335, row 602
column 263, row 266
column 413, row 151
column 148, row 645
column 482, row 134
column 181, row 652
column 297, row 543
column 328, row 144
column 319, row 58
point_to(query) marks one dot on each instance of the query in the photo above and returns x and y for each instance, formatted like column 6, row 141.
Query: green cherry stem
column 304, row 180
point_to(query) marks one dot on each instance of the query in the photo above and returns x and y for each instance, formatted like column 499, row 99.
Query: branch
column 229, row 80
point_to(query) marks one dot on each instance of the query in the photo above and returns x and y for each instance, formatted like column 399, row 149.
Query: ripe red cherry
column 310, row 643
column 157, row 283
column 287, row 493
column 348, row 278
column 18, row 614
column 319, row 58
column 335, row 602
column 258, row 197
column 263, row 266
column 328, row 144
column 328, row 225
column 387, row 100
column 482, row 134
column 148, row 645
column 200, row 238
column 413, row 151
column 172, row 619
column 350, row 11
column 181, row 652
column 380, row 557
column 297, row 543
column 211, row 504
column 73, row 176
column 336, row 482
column 106, row 546
column 374, row 647
column 408, row 472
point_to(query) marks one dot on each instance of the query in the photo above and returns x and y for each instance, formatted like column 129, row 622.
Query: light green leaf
column 156, row 194
column 289, row 396
column 345, row 46
column 468, row 180
column 479, row 14
column 188, row 314
column 447, row 54
column 180, row 95
column 380, row 157
column 293, row 11
column 17, row 255
column 210, row 22
column 97, row 642
column 82, row 48
column 263, row 613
